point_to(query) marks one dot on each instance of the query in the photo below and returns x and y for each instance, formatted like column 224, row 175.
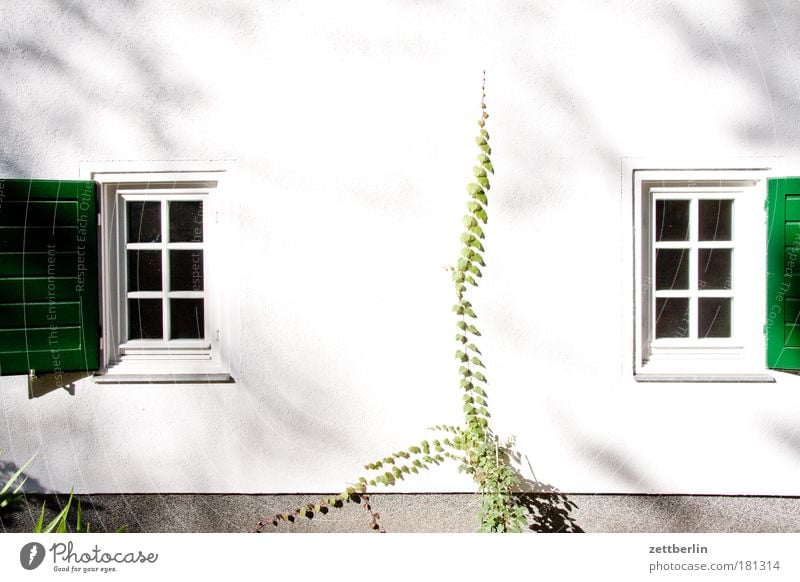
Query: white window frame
column 211, row 359
column 740, row 358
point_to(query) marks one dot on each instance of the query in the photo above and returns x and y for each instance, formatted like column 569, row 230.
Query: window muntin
column 164, row 247
column 692, row 265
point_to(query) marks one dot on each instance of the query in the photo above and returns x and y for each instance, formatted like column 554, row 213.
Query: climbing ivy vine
column 474, row 445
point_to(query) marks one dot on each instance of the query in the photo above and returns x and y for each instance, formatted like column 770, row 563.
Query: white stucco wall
column 351, row 125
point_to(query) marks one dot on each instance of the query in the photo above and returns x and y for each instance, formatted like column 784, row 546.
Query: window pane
column 186, row 270
column 144, row 270
column 672, row 269
column 672, row 220
column 186, row 221
column 672, row 317
column 714, row 317
column 714, row 269
column 716, row 219
column 144, row 319
column 186, row 319
column 144, row 222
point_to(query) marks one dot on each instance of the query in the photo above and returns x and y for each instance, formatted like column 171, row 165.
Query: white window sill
column 706, row 378
column 216, row 378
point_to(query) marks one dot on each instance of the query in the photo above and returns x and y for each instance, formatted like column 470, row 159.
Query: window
column 164, row 300
column 699, row 271
column 125, row 273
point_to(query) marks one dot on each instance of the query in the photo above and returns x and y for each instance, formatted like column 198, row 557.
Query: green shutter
column 48, row 277
column 783, row 273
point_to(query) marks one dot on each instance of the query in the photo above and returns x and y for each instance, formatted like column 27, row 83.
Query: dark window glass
column 714, row 269
column 672, row 220
column 144, row 222
column 144, row 270
column 672, row 317
column 186, row 221
column 186, row 270
column 144, row 319
column 714, row 317
column 186, row 319
column 716, row 219
column 672, row 269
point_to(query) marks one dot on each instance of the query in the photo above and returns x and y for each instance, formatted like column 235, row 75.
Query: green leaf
column 475, row 271
column 473, row 330
column 481, row 215
column 489, row 167
column 477, row 361
column 485, row 115
column 458, row 309
column 485, row 134
column 485, row 147
column 414, row 449
column 458, row 276
column 78, row 518
column 469, row 221
column 478, row 172
column 481, row 122
column 463, row 264
column 39, row 522
column 474, row 188
column 471, row 281
column 467, row 238
column 464, row 371
column 475, row 243
column 477, row 231
column 461, row 338
column 17, row 474
column 461, row 356
column 461, row 325
column 482, row 199
column 481, row 141
column 473, row 348
column 483, row 181
column 480, row 377
column 59, row 523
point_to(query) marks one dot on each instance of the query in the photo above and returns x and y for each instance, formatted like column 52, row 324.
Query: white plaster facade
column 349, row 126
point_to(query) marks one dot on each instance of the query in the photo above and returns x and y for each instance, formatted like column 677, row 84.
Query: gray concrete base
column 455, row 512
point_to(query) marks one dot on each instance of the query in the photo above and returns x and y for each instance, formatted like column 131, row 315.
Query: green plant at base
column 59, row 522
column 10, row 499
column 474, row 445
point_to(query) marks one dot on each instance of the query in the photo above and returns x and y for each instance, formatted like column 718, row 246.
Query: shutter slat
column 39, row 213
column 36, row 264
column 48, row 277
column 15, row 315
column 38, row 238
